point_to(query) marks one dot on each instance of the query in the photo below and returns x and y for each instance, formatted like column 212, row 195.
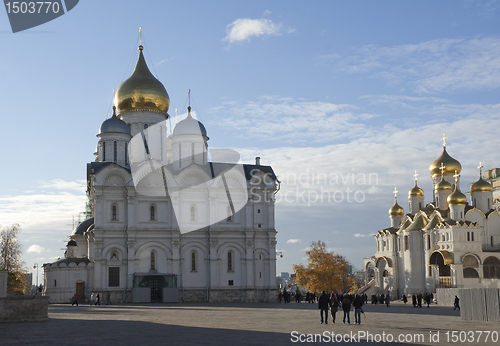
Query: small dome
column 83, row 227
column 450, row 165
column 142, row 91
column 457, row 197
column 190, row 126
column 396, row 210
column 114, row 125
column 442, row 185
column 416, row 191
column 72, row 243
column 481, row 186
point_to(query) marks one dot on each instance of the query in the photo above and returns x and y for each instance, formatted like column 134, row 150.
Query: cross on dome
column 395, row 193
column 444, row 140
column 456, row 176
column 480, row 167
column 415, row 175
column 442, row 168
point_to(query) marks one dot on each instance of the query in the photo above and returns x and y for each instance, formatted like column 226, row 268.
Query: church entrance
column 442, row 259
column 80, row 293
column 155, row 285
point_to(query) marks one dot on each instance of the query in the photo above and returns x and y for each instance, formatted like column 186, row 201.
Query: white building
column 447, row 243
column 164, row 222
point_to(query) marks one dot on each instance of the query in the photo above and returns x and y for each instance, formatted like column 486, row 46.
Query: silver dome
column 114, row 125
column 190, row 126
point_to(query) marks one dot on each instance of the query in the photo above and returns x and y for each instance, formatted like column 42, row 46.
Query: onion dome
column 142, row 91
column 396, row 209
column 481, row 186
column 190, row 126
column 416, row 191
column 114, row 125
column 450, row 165
column 442, row 185
column 457, row 197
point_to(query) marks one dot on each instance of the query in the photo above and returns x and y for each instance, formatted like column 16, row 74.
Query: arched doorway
column 442, row 259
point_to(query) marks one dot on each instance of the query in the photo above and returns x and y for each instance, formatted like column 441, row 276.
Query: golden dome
column 142, row 91
column 481, row 186
column 416, row 191
column 450, row 165
column 442, row 185
column 396, row 209
column 457, row 197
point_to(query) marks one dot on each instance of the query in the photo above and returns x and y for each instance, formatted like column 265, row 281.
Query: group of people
column 286, row 296
column 95, row 299
column 381, row 299
column 416, row 299
column 332, row 302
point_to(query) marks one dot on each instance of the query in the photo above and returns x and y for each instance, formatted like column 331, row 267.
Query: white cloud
column 59, row 184
column 431, row 66
column 266, row 13
column 165, row 60
column 244, row 28
column 293, row 241
column 36, row 248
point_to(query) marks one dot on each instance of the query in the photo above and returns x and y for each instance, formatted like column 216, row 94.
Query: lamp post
column 36, row 287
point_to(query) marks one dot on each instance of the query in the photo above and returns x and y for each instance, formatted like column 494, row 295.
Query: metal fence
column 479, row 304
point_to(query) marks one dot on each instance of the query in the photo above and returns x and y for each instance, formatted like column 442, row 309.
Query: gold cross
column 480, row 168
column 444, row 140
column 442, row 168
column 456, row 176
column 415, row 175
column 395, row 193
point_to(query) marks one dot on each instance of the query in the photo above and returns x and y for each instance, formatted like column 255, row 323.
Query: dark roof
column 249, row 169
column 83, row 226
column 72, row 243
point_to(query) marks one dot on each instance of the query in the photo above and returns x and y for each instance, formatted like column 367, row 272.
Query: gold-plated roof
column 435, row 221
column 442, row 185
column 418, row 224
column 396, row 209
column 416, row 191
column 387, row 261
column 142, row 91
column 447, row 258
column 450, row 165
column 481, row 186
column 457, row 197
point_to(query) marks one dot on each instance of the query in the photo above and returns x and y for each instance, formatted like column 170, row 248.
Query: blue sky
column 339, row 88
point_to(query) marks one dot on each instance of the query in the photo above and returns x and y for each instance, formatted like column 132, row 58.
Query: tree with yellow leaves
column 10, row 259
column 325, row 271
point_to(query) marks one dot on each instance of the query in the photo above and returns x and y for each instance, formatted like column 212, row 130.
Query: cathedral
column 168, row 220
column 451, row 242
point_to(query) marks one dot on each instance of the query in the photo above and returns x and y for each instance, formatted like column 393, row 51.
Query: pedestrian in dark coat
column 456, row 303
column 334, row 306
column 357, row 303
column 414, row 300
column 387, row 299
column 324, row 306
column 419, row 300
column 346, row 307
column 405, row 300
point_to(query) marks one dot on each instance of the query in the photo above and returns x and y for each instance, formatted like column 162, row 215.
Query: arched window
column 407, row 243
column 491, row 268
column 152, row 213
column 193, row 261
column 153, row 260
column 230, row 261
column 114, row 213
column 115, row 153
column 193, row 213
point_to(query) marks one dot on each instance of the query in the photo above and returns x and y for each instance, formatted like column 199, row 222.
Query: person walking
column 75, row 300
column 346, row 307
column 414, row 300
column 419, row 300
column 358, row 304
column 405, row 300
column 92, row 299
column 280, row 296
column 98, row 300
column 323, row 306
column 334, row 306
column 456, row 303
column 387, row 299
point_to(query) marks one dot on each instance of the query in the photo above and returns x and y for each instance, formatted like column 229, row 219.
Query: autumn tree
column 10, row 259
column 325, row 271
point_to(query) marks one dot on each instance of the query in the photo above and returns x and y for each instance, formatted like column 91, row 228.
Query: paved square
column 236, row 324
